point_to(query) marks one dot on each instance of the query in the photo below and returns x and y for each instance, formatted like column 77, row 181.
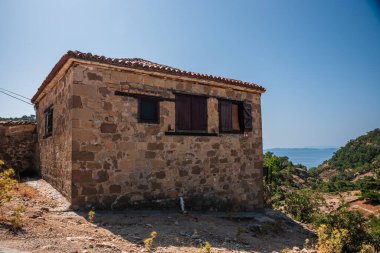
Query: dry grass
column 26, row 191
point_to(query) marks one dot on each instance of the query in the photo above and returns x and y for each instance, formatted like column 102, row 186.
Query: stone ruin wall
column 18, row 146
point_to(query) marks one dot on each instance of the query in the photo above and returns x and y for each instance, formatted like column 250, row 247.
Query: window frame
column 157, row 111
column 191, row 130
column 48, row 121
column 240, row 116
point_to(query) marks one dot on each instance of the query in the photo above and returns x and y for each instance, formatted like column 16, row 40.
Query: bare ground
column 49, row 226
column 353, row 201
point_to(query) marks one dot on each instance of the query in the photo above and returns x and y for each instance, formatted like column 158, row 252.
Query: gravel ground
column 8, row 250
column 49, row 226
column 45, row 189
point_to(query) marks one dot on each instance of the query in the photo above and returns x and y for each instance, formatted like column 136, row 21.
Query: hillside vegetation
column 358, row 156
column 356, row 166
column 302, row 194
column 31, row 117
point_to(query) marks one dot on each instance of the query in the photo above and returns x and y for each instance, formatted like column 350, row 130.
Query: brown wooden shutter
column 198, row 113
column 247, row 116
column 183, row 112
column 235, row 117
column 225, row 115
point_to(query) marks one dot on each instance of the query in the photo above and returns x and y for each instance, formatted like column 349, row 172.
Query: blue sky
column 319, row 60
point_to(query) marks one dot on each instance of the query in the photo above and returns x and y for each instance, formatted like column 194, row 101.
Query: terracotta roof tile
column 138, row 63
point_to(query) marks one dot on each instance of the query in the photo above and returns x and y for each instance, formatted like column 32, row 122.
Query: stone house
column 116, row 133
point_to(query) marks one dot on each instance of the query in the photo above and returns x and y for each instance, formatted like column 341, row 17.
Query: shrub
column 303, row 204
column 16, row 218
column 353, row 222
column 148, row 242
column 91, row 216
column 371, row 196
column 331, row 240
column 239, row 232
column 7, row 183
column 205, row 248
column 374, row 231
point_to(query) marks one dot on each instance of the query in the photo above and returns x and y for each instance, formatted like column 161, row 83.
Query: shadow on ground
column 50, row 226
column 264, row 231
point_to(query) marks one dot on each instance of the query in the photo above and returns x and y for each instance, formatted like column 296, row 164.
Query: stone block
column 76, row 102
column 155, row 146
column 83, row 156
column 115, row 189
column 158, row 163
column 82, row 176
column 95, row 76
column 89, row 190
column 160, row 174
column 108, row 128
column 196, row 170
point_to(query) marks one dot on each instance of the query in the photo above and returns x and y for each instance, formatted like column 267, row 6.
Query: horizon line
column 306, row 147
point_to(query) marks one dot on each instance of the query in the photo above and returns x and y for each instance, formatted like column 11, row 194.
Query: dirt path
column 352, row 198
column 49, row 226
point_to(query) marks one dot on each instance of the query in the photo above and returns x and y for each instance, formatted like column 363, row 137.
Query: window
column 191, row 113
column 48, row 114
column 149, row 110
column 234, row 116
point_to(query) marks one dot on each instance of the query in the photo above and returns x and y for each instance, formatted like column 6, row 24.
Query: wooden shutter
column 247, row 116
column 183, row 112
column 225, row 115
column 198, row 113
column 235, row 117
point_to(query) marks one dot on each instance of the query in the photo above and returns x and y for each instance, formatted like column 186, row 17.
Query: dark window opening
column 48, row 114
column 191, row 113
column 234, row 116
column 149, row 110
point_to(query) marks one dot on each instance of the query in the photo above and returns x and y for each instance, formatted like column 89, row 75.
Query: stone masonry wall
column 18, row 145
column 118, row 162
column 55, row 151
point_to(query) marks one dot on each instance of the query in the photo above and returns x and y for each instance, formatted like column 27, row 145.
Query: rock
column 296, row 248
column 107, row 245
column 198, row 241
column 136, row 238
column 47, row 247
column 183, row 233
column 255, row 228
column 195, row 235
column 80, row 238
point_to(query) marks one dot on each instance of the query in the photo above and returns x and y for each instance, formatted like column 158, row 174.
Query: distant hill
column 23, row 118
column 360, row 156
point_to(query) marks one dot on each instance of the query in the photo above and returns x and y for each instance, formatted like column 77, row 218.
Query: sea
column 310, row 157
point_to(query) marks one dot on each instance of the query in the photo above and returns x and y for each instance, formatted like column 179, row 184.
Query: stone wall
column 118, row 162
column 55, row 151
column 18, row 141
